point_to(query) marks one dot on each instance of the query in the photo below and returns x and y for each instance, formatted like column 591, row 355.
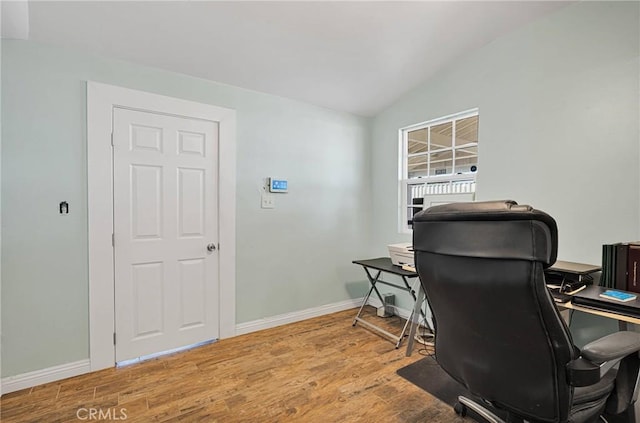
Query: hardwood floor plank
column 318, row 370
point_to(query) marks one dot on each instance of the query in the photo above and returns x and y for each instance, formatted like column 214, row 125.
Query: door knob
column 211, row 247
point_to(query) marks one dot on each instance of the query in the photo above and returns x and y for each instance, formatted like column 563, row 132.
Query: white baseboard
column 296, row 316
column 50, row 374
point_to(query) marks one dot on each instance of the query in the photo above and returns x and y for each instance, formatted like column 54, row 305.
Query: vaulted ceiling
column 357, row 57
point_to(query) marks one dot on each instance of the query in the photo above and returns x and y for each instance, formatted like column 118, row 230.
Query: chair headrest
column 531, row 230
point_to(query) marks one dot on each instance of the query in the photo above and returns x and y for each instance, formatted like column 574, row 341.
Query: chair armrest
column 599, row 356
column 581, row 372
column 611, row 347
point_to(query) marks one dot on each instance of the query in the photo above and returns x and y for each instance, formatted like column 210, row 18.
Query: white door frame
column 101, row 99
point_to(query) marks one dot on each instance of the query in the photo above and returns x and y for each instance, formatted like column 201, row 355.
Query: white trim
column 50, row 374
column 443, row 119
column 101, row 99
column 296, row 316
column 441, row 178
column 403, row 162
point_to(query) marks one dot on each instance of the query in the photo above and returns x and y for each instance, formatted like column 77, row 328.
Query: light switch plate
column 267, row 201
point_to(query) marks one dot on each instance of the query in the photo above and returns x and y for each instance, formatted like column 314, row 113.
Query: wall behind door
column 291, row 258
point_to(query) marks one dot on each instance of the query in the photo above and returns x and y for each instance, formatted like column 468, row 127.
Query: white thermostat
column 278, row 185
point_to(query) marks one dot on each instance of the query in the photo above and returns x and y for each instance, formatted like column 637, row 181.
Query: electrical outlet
column 268, row 201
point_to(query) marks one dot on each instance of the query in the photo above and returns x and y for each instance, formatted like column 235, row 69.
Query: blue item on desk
column 590, row 297
column 618, row 295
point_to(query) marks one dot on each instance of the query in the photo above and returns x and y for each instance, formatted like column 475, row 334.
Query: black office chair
column 498, row 330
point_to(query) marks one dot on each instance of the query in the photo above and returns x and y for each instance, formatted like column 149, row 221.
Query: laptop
column 575, row 268
column 590, row 297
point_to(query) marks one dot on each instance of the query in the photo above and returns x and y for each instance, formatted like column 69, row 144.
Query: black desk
column 588, row 301
column 380, row 265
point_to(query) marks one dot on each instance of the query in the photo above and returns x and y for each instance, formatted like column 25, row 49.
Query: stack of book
column 621, row 266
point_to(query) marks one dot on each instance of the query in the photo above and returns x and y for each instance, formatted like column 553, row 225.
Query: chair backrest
column 498, row 331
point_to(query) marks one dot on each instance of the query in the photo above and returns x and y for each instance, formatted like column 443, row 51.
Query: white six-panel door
column 166, row 232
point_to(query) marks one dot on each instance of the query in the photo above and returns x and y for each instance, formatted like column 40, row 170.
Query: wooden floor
column 318, row 370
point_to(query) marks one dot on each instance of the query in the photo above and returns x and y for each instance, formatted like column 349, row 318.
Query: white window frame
column 454, row 187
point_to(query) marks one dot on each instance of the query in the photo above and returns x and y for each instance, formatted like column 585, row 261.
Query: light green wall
column 559, row 129
column 1, row 336
column 291, row 258
column 559, row 125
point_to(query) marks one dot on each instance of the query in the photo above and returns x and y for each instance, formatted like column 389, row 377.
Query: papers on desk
column 409, row 268
column 401, row 254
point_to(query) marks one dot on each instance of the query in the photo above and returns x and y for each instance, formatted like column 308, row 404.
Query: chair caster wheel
column 460, row 409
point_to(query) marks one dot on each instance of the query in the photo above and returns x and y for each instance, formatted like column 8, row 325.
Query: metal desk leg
column 413, row 293
column 413, row 312
column 372, row 281
column 417, row 310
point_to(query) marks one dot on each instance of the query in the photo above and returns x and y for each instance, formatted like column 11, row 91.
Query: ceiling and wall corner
column 15, row 19
column 355, row 57
column 559, row 126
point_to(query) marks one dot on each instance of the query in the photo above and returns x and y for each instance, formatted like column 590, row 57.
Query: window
column 438, row 163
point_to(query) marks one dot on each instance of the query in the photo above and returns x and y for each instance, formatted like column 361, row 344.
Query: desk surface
column 590, row 297
column 588, row 301
column 610, row 315
column 384, row 264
